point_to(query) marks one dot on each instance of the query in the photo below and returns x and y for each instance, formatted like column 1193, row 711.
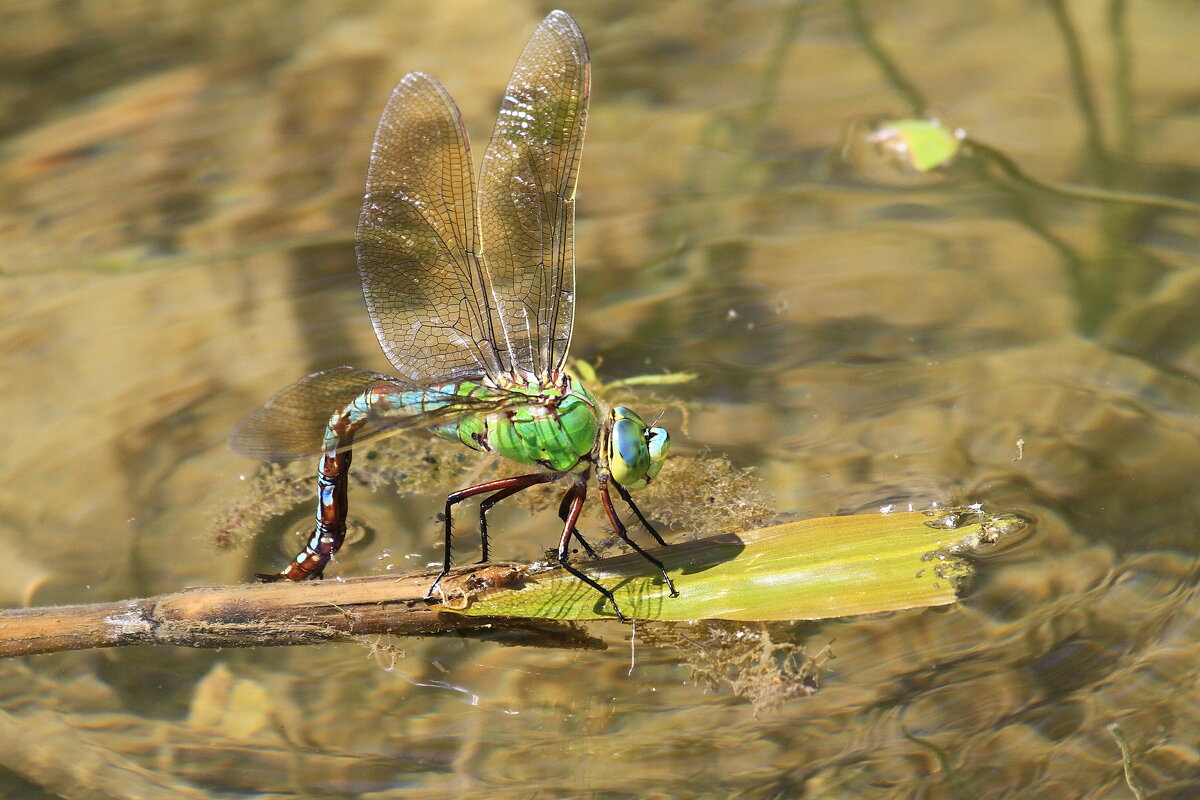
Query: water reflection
column 178, row 206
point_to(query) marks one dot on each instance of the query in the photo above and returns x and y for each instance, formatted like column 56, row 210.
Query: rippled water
column 180, row 183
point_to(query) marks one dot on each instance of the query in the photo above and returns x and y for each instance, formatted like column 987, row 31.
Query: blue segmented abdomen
column 382, row 401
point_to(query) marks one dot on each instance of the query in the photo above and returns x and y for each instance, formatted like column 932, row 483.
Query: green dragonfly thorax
column 560, row 430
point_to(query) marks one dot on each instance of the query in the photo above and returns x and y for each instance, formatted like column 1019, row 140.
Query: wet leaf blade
column 812, row 569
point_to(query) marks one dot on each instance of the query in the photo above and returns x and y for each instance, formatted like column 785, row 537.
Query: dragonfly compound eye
column 636, row 451
column 658, row 443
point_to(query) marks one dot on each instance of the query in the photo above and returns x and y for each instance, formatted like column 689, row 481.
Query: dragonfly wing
column 417, row 240
column 527, row 196
column 292, row 424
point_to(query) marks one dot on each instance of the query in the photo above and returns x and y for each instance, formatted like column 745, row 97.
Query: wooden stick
column 276, row 614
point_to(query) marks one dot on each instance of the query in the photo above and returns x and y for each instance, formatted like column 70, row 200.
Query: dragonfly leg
column 563, row 508
column 574, row 501
column 621, row 490
column 332, row 505
column 486, row 506
column 501, row 488
column 619, row 527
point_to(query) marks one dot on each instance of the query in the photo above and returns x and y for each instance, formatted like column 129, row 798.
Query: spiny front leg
column 484, row 508
column 563, row 509
column 574, row 502
column 621, row 490
column 619, row 527
column 502, row 488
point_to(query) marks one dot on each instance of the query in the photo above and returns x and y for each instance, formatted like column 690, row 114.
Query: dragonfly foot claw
column 435, row 587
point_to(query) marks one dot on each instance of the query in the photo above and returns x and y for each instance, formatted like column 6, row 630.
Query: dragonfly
column 470, row 287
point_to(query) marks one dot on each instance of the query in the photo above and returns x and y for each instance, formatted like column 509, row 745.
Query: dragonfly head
column 636, row 451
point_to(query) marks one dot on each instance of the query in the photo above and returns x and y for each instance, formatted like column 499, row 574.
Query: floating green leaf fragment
column 813, row 569
column 925, row 143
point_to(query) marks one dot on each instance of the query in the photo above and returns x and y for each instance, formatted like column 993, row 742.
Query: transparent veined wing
column 292, row 423
column 527, row 196
column 418, row 241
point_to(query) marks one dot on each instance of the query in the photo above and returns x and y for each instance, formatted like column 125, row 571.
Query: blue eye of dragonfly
column 658, row 441
column 470, row 287
column 636, row 451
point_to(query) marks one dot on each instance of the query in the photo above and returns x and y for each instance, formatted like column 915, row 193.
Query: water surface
column 180, row 185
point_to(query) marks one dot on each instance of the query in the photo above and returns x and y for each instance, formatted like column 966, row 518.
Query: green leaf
column 817, row 568
column 927, row 143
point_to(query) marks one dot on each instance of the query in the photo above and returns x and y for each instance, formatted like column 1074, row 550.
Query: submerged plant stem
column 260, row 615
column 1131, row 779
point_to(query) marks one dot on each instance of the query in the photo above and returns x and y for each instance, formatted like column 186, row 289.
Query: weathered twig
column 257, row 615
